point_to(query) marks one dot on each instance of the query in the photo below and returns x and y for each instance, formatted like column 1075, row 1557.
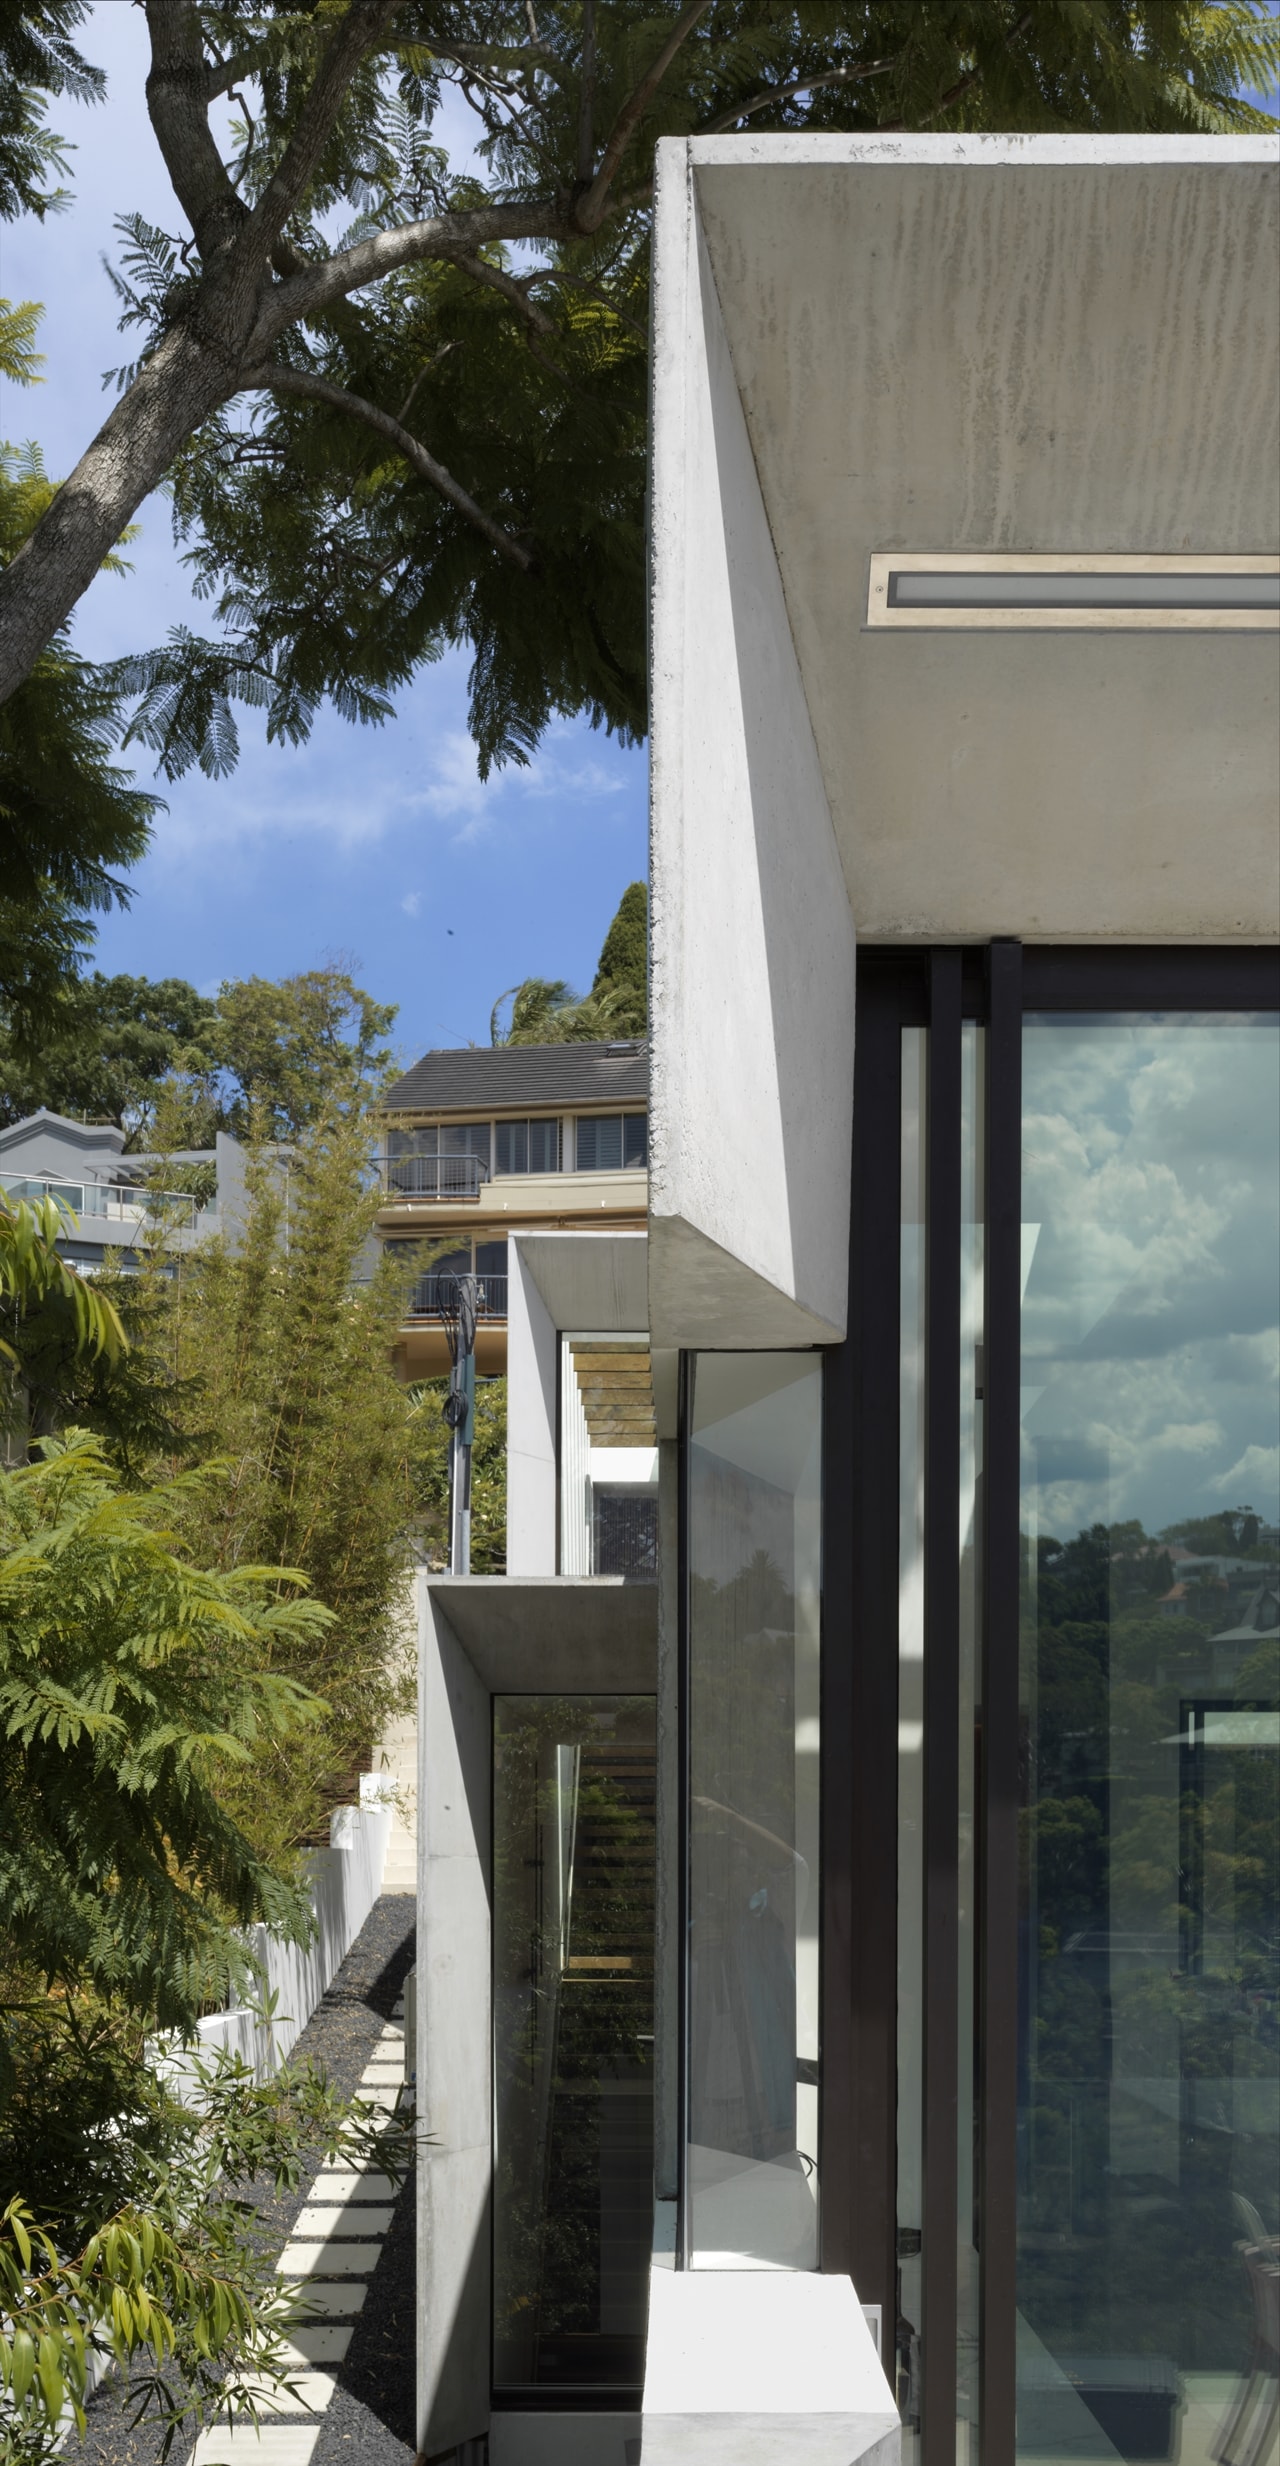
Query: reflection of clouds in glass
column 1150, row 1313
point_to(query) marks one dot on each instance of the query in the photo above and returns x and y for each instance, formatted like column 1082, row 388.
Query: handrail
column 113, row 1200
column 432, row 1177
column 491, row 1295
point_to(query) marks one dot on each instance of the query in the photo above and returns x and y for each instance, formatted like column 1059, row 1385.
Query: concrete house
column 119, row 1201
column 849, row 1968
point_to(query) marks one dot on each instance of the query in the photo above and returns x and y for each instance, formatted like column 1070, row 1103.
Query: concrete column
column 531, row 1424
column 454, row 2038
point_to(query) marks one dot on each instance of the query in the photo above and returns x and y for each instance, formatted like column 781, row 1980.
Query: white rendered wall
column 531, row 1423
column 751, row 934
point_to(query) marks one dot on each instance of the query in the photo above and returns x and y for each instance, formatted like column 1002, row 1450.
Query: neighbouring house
column 121, row 1202
column 848, row 2003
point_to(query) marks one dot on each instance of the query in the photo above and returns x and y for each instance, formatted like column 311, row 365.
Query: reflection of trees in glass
column 1152, row 1898
column 573, row 1977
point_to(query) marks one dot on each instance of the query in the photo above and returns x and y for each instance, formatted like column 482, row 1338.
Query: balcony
column 114, row 1202
column 409, row 1181
column 491, row 1294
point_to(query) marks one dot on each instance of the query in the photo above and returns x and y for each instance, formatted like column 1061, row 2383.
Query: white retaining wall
column 346, row 1880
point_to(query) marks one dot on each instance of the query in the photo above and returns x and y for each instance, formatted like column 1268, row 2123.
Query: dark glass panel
column 573, row 1920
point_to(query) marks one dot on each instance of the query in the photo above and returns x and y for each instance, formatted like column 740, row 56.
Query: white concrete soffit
column 590, row 1280
column 751, row 936
column 1025, row 345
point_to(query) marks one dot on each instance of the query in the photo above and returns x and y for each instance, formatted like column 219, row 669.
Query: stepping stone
column 311, row 2346
column 339, row 2302
column 244, row 2444
column 328, row 2260
column 316, row 2220
column 350, row 2183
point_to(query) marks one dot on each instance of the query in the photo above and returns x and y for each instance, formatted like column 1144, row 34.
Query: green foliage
column 299, row 1052
column 34, row 1273
column 429, row 1474
column 68, row 815
column 171, row 1068
column 133, row 1685
column 38, row 59
column 289, row 1337
column 145, row 2247
column 545, row 1010
column 109, row 1043
column 623, row 972
column 126, row 1393
column 452, row 452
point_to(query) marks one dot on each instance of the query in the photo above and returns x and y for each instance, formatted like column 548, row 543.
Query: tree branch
column 587, row 97
column 356, row 34
column 972, row 77
column 455, row 236
column 299, row 382
column 769, row 95
column 178, row 109
column 495, row 279
column 591, row 207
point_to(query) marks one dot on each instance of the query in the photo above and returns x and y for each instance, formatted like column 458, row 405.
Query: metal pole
column 459, row 1315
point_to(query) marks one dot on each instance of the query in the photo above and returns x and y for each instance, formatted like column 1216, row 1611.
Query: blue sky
column 377, row 843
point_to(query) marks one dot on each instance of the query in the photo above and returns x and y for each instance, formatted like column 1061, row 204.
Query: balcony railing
column 408, row 1179
column 491, row 1294
column 118, row 1202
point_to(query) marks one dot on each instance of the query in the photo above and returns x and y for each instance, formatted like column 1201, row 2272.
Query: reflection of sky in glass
column 1149, row 1169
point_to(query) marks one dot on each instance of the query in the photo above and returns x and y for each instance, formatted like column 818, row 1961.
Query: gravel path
column 370, row 2415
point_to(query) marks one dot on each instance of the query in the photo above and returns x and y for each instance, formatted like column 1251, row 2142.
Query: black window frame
column 997, row 985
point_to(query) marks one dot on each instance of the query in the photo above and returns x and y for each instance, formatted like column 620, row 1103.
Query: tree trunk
column 182, row 383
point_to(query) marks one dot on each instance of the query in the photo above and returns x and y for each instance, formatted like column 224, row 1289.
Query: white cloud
column 411, row 904
column 1255, row 1477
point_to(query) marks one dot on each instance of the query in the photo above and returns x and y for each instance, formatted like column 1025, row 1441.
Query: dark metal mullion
column 860, row 1691
column 941, row 1712
column 998, row 1827
column 683, row 1660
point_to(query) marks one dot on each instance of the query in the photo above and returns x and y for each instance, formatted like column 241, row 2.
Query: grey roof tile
column 496, row 1078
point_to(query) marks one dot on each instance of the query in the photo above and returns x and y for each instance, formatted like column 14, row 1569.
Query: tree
column 109, row 1044
column 171, row 1068
column 430, row 428
column 296, row 1052
column 288, row 1340
column 33, row 1271
column 38, row 59
column 545, row 1010
column 623, row 972
column 68, row 814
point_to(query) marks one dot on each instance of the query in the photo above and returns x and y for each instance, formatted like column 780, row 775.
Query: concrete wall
column 480, row 1636
column 751, row 936
column 346, row 1880
column 531, row 1423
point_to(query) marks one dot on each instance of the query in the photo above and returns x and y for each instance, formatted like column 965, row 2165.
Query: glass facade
column 573, row 1937
column 1149, row 2016
column 753, row 1470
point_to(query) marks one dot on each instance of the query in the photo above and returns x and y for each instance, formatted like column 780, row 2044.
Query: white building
column 879, row 1917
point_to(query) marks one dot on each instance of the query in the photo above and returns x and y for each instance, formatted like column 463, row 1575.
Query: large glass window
column 612, row 1142
column 527, row 1147
column 573, row 1931
column 1149, row 2021
column 754, row 1499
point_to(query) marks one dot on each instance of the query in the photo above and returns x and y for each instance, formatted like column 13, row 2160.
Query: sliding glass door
column 1062, row 1635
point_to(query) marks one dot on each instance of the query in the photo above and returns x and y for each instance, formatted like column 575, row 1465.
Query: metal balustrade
column 406, row 1179
column 118, row 1202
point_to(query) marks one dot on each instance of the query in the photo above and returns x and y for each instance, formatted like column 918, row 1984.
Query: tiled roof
column 497, row 1078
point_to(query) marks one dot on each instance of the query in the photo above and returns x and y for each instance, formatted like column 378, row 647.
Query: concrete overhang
column 594, row 1281
column 1018, row 344
column 934, row 345
column 553, row 1635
